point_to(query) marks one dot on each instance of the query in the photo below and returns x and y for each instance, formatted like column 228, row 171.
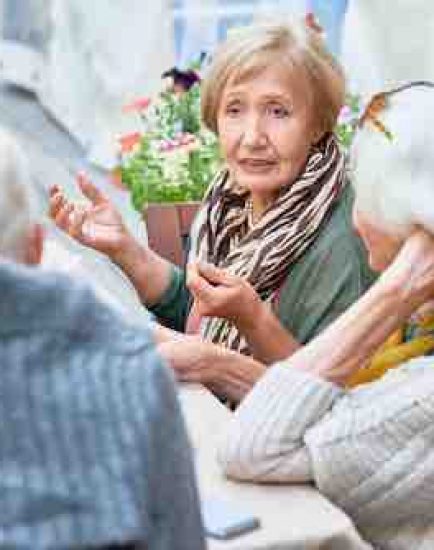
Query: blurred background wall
column 85, row 59
column 385, row 44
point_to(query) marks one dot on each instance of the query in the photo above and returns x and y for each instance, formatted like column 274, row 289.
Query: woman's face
column 382, row 247
column 265, row 127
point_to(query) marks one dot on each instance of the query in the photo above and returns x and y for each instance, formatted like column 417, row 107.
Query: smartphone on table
column 224, row 519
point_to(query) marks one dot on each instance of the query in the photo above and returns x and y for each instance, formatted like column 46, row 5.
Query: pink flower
column 166, row 145
column 139, row 105
column 182, row 142
column 345, row 115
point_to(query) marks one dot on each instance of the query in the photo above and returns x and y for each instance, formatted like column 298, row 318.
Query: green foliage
column 347, row 121
column 176, row 157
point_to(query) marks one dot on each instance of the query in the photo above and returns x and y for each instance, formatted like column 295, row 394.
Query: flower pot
column 168, row 226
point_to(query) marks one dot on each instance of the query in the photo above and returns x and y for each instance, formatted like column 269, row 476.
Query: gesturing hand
column 218, row 293
column 412, row 271
column 97, row 225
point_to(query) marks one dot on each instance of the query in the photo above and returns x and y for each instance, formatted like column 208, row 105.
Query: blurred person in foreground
column 93, row 449
column 274, row 230
column 369, row 449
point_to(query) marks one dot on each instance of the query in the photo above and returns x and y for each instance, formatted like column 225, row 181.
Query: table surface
column 291, row 516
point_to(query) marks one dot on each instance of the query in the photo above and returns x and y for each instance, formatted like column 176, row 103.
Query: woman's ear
column 34, row 245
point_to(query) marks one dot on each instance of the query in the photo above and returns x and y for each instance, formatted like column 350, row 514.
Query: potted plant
column 169, row 163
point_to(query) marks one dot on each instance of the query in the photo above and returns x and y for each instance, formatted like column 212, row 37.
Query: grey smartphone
column 225, row 520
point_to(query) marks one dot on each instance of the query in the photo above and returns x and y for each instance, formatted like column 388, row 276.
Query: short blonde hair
column 393, row 175
column 249, row 50
column 18, row 201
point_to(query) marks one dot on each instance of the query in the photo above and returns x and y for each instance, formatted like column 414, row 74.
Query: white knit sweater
column 370, row 450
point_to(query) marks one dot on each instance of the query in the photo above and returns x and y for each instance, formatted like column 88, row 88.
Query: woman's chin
column 260, row 182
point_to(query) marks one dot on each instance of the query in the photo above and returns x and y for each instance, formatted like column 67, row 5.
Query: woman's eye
column 233, row 110
column 278, row 111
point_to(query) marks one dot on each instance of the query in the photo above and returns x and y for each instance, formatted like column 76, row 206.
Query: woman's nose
column 254, row 134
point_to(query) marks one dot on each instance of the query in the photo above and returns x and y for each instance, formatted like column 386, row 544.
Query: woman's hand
column 97, row 225
column 225, row 372
column 100, row 226
column 218, row 293
column 412, row 271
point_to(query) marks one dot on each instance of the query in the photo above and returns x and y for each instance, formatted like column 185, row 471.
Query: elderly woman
column 370, row 449
column 276, row 219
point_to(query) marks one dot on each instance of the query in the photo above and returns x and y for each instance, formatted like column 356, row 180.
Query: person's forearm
column 149, row 273
column 348, row 343
column 233, row 375
column 225, row 372
column 268, row 340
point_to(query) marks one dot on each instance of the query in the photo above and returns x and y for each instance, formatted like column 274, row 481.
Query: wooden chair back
column 168, row 227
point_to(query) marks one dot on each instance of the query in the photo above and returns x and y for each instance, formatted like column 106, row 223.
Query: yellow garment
column 396, row 351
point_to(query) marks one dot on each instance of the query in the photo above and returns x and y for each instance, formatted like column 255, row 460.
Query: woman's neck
column 259, row 204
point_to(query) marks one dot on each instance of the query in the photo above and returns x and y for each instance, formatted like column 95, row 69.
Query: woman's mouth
column 256, row 165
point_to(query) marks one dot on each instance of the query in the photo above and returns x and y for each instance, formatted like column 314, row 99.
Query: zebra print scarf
column 224, row 236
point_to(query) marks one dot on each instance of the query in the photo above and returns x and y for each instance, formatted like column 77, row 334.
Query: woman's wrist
column 232, row 374
column 398, row 290
column 268, row 339
column 253, row 317
column 411, row 275
column 127, row 253
column 131, row 257
column 149, row 273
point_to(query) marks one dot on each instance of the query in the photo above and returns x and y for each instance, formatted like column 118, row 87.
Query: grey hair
column 394, row 177
column 18, row 200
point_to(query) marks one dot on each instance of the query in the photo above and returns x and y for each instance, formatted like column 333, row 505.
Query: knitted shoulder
column 36, row 301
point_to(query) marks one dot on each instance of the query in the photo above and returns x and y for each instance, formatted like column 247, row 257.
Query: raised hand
column 97, row 225
column 412, row 271
column 218, row 293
